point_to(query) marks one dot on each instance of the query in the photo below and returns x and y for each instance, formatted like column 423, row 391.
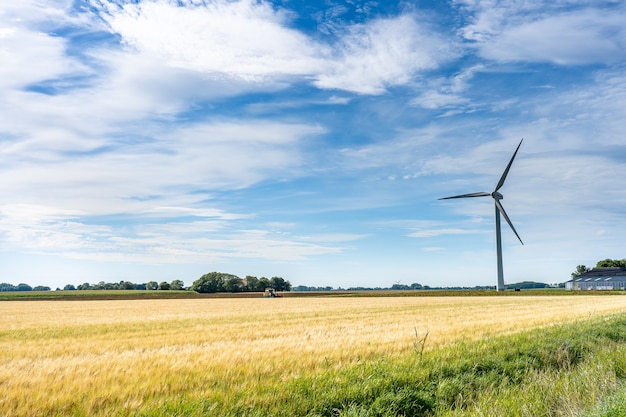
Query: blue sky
column 159, row 139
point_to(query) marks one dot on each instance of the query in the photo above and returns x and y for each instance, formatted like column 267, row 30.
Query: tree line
column 417, row 286
column 122, row 285
column 212, row 282
column 4, row 287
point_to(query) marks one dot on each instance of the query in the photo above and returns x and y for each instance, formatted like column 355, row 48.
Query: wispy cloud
column 564, row 33
column 385, row 53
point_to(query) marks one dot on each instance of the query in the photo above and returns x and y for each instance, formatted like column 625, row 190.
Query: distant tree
column 580, row 269
column 400, row 287
column 127, row 285
column 526, row 285
column 84, row 286
column 152, row 285
column 611, row 263
column 416, row 286
column 279, row 284
column 140, row 286
column 41, row 288
column 164, row 285
column 99, row 286
column 211, row 282
column 5, row 286
column 233, row 284
column 177, row 285
column 252, row 283
column 263, row 284
column 69, row 287
column 309, row 288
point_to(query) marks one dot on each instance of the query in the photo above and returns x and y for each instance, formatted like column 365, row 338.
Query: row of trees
column 207, row 283
column 214, row 282
column 605, row 263
column 4, row 287
column 122, row 285
column 127, row 285
column 416, row 286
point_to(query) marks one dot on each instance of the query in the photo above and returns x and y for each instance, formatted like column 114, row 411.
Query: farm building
column 599, row 279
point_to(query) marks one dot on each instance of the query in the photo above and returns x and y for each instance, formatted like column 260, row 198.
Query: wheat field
column 120, row 357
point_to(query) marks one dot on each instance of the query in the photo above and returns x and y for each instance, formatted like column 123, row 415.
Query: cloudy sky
column 162, row 139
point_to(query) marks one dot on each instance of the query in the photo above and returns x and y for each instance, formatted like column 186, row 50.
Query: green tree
column 252, row 283
column 152, row 285
column 233, row 284
column 164, row 285
column 177, row 285
column 69, row 287
column 99, row 286
column 279, row 284
column 127, row 285
column 211, row 282
column 263, row 284
column 580, row 269
column 41, row 288
column 611, row 263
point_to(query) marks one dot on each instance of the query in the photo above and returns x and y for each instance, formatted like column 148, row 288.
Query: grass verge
column 564, row 370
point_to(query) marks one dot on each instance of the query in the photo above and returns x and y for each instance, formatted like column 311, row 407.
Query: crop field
column 326, row 356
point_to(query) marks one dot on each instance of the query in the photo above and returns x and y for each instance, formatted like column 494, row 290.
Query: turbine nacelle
column 497, row 195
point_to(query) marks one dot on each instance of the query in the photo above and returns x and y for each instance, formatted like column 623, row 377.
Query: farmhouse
column 599, row 279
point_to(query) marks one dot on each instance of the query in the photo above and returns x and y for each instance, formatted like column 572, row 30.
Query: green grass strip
column 563, row 370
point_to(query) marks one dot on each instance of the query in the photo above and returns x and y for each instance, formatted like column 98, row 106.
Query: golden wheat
column 91, row 357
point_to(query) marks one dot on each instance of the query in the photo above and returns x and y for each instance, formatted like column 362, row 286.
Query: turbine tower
column 499, row 210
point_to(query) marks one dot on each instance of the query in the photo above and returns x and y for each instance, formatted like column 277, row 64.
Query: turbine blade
column 481, row 194
column 501, row 209
column 506, row 171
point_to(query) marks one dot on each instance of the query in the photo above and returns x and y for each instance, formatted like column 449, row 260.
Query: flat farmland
column 236, row 356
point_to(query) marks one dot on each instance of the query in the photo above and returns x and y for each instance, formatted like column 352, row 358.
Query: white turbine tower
column 499, row 209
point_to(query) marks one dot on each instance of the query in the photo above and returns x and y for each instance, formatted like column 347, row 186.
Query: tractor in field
column 271, row 293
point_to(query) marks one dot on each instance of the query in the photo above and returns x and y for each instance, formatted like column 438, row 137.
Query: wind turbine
column 499, row 209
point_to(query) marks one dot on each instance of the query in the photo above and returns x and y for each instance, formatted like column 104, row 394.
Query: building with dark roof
column 599, row 279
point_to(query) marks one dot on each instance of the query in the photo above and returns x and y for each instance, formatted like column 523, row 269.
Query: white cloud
column 570, row 39
column 449, row 93
column 243, row 39
column 565, row 33
column 48, row 230
column 165, row 165
column 252, row 41
column 436, row 100
column 22, row 52
column 384, row 53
